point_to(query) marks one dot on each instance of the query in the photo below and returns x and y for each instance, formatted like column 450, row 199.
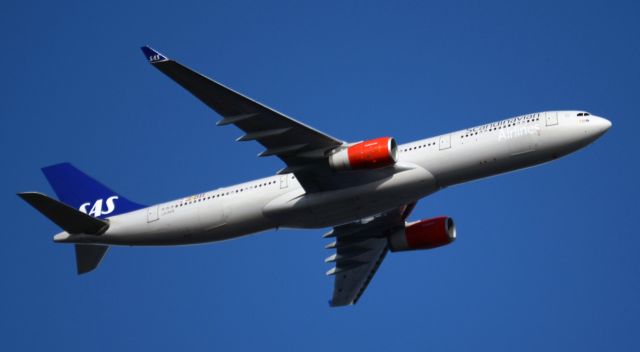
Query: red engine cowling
column 424, row 234
column 371, row 154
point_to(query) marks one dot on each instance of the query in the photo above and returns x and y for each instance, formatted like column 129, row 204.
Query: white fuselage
column 423, row 167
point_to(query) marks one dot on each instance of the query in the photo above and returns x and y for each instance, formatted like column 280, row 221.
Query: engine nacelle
column 371, row 154
column 424, row 234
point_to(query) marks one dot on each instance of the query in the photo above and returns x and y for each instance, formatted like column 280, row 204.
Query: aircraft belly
column 493, row 155
column 234, row 218
column 322, row 209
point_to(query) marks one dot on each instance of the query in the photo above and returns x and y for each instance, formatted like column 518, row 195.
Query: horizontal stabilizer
column 69, row 219
column 88, row 256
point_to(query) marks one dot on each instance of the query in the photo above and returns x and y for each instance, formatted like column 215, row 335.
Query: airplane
column 364, row 190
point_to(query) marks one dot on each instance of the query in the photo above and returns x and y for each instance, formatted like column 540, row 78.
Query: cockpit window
column 583, row 114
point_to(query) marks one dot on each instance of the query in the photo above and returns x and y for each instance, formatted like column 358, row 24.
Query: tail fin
column 82, row 192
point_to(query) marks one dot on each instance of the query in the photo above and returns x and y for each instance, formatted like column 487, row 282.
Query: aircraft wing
column 297, row 144
column 360, row 249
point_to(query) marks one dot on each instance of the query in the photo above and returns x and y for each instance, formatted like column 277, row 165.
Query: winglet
column 152, row 55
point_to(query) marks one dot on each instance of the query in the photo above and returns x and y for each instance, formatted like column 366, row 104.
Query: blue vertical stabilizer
column 80, row 191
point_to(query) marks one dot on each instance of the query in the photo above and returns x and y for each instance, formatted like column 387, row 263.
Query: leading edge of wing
column 156, row 59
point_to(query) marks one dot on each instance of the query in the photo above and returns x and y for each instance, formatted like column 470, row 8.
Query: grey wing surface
column 298, row 145
column 360, row 249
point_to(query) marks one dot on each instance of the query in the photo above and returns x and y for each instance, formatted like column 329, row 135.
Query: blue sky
column 546, row 258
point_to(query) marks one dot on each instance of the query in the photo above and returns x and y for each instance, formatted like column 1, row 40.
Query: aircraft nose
column 600, row 125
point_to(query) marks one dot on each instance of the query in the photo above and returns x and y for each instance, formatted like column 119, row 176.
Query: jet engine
column 371, row 154
column 424, row 234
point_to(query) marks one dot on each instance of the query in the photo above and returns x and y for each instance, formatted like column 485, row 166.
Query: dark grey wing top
column 297, row 144
column 360, row 249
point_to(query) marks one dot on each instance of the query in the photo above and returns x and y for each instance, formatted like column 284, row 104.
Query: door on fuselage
column 445, row 142
column 283, row 181
column 551, row 118
column 152, row 213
